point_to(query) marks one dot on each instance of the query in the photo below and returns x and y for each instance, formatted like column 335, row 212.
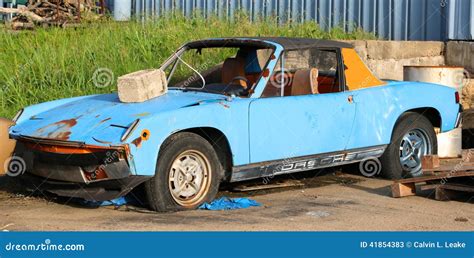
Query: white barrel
column 122, row 10
column 449, row 143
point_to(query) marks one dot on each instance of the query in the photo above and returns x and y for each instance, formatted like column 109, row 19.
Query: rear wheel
column 413, row 137
column 187, row 174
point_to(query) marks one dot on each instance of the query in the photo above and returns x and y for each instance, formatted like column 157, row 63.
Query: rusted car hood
column 99, row 115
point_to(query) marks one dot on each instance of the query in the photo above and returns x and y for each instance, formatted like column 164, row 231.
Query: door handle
column 350, row 99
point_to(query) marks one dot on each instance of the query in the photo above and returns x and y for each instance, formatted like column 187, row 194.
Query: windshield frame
column 257, row 89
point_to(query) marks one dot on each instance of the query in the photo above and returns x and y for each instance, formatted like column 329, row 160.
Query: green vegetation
column 47, row 64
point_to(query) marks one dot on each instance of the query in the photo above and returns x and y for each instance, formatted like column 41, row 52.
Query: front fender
column 229, row 117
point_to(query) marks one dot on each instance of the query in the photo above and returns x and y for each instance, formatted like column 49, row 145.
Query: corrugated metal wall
column 389, row 19
column 461, row 20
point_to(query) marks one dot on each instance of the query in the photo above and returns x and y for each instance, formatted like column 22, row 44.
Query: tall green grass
column 47, row 64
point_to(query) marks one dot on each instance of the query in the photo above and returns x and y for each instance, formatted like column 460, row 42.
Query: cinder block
column 297, row 59
column 459, row 53
column 377, row 49
column 392, row 69
column 142, row 85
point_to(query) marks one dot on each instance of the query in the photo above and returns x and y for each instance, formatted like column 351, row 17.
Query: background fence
column 389, row 19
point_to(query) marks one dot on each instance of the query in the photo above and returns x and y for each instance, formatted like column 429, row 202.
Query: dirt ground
column 332, row 201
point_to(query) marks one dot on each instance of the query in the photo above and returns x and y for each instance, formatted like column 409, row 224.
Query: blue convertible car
column 236, row 109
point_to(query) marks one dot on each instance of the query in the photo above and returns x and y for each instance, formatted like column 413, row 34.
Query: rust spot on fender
column 142, row 114
column 104, row 120
column 137, row 142
column 145, row 135
column 224, row 105
column 60, row 130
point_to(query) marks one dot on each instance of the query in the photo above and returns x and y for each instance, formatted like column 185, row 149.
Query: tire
column 402, row 158
column 188, row 173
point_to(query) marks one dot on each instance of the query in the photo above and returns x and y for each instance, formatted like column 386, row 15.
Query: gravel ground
column 334, row 201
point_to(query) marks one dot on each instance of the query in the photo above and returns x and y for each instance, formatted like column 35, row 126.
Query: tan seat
column 305, row 82
column 232, row 69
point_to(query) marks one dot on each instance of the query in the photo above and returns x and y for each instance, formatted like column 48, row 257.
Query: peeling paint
column 101, row 122
column 224, row 105
column 144, row 136
column 142, row 114
column 59, row 130
column 137, row 142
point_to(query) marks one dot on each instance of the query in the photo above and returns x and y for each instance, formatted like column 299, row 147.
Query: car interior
column 305, row 72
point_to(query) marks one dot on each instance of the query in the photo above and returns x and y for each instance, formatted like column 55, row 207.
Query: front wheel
column 187, row 174
column 413, row 137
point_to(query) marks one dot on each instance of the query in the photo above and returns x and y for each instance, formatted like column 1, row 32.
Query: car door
column 288, row 123
column 296, row 126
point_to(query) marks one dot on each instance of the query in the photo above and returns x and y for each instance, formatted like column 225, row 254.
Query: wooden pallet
column 436, row 178
column 445, row 192
column 407, row 187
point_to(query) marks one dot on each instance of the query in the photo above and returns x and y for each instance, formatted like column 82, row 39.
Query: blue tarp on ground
column 226, row 203
column 115, row 202
column 223, row 203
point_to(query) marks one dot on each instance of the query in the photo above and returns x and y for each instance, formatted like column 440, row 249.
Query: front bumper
column 64, row 168
column 64, row 161
column 98, row 191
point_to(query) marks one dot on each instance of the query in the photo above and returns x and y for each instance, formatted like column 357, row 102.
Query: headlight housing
column 18, row 115
column 130, row 130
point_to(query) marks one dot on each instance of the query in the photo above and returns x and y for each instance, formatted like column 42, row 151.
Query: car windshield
column 222, row 70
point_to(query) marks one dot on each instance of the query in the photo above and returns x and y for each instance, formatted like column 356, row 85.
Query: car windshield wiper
column 199, row 90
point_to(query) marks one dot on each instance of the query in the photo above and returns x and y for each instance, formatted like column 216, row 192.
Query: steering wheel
column 240, row 78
